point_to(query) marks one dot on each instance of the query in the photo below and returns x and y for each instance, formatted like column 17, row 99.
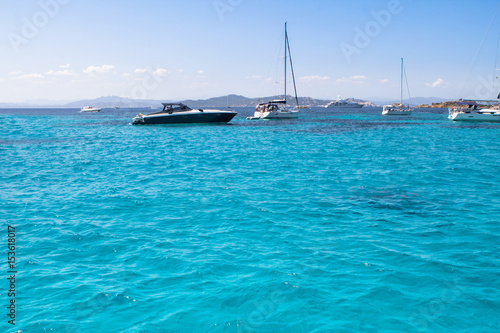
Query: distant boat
column 276, row 109
column 90, row 109
column 178, row 113
column 470, row 111
column 398, row 109
column 343, row 104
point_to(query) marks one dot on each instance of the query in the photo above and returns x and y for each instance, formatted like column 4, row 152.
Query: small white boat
column 178, row 113
column 398, row 109
column 90, row 109
column 274, row 110
column 470, row 111
column 277, row 109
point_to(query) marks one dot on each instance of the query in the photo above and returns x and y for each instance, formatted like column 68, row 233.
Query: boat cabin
column 271, row 106
column 174, row 107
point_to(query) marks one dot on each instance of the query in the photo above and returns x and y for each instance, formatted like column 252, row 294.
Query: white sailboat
column 277, row 109
column 398, row 109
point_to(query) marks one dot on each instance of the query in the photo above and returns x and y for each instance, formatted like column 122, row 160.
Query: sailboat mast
column 286, row 44
column 401, row 85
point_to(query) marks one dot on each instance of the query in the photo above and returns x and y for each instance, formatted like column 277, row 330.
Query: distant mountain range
column 241, row 101
column 222, row 101
column 414, row 101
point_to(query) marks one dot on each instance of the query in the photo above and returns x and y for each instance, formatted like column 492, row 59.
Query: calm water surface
column 341, row 221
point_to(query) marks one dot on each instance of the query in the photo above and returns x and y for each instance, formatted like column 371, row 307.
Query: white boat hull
column 396, row 113
column 276, row 115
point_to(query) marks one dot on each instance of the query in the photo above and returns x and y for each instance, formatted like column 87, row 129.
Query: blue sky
column 75, row 49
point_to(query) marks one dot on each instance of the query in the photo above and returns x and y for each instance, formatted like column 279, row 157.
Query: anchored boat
column 469, row 111
column 90, row 109
column 277, row 109
column 178, row 113
column 398, row 109
column 343, row 104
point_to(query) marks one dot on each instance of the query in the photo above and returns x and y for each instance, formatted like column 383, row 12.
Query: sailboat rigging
column 398, row 108
column 277, row 109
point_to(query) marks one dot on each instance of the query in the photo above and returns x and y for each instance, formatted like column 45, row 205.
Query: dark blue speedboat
column 178, row 113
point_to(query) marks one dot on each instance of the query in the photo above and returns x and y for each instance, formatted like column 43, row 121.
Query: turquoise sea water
column 343, row 221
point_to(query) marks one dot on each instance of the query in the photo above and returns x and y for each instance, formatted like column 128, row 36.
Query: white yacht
column 90, row 109
column 398, row 109
column 343, row 104
column 470, row 111
column 277, row 109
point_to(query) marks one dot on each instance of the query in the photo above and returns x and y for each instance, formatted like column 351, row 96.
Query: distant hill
column 241, row 101
column 215, row 102
column 453, row 104
column 415, row 101
column 439, row 105
column 114, row 101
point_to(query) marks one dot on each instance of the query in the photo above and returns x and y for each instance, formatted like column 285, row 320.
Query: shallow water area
column 339, row 221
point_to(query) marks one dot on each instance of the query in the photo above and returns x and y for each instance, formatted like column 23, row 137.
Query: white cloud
column 314, row 78
column 201, row 71
column 65, row 72
column 161, row 71
column 438, row 83
column 126, row 74
column 384, row 81
column 64, row 66
column 98, row 69
column 158, row 71
column 359, row 77
column 356, row 79
column 15, row 73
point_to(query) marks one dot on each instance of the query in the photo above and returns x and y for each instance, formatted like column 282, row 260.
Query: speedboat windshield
column 175, row 107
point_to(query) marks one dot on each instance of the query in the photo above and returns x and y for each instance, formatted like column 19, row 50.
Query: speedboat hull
column 189, row 117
